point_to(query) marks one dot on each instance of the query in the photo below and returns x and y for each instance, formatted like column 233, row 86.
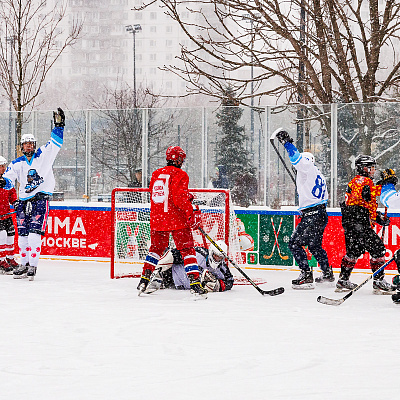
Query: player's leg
column 183, row 239
column 3, row 250
column 159, row 242
column 23, row 230
column 37, row 229
column 377, row 250
column 12, row 263
column 319, row 222
column 300, row 238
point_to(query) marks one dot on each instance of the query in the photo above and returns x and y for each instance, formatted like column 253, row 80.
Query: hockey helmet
column 3, row 161
column 215, row 255
column 174, row 153
column 28, row 138
column 364, row 163
column 309, row 156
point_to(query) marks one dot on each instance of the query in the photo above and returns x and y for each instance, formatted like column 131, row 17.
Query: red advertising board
column 84, row 232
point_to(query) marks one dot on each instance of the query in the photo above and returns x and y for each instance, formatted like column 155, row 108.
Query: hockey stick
column 279, row 155
column 276, row 239
column 273, row 292
column 338, row 302
column 384, row 226
column 277, row 243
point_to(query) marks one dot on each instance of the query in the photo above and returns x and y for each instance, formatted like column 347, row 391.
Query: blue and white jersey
column 310, row 183
column 36, row 176
column 389, row 197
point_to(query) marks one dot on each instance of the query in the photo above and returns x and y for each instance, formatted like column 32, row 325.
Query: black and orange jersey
column 361, row 191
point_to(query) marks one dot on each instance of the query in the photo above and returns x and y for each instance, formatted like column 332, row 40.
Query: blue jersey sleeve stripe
column 56, row 143
column 57, row 134
column 386, row 195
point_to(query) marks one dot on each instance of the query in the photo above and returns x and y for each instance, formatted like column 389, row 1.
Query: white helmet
column 309, row 156
column 25, row 138
column 3, row 161
column 215, row 255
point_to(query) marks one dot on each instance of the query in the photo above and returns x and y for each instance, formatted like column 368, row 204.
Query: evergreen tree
column 232, row 153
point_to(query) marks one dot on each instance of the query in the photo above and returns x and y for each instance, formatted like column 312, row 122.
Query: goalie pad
column 209, row 281
column 166, row 261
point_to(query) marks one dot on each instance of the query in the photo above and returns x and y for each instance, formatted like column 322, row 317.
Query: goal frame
column 226, row 192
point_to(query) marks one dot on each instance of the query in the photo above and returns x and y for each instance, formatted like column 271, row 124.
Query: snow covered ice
column 74, row 333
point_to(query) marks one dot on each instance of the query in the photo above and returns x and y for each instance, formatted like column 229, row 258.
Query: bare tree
column 117, row 138
column 32, row 39
column 312, row 50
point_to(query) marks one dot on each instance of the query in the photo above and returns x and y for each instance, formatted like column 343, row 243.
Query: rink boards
column 84, row 231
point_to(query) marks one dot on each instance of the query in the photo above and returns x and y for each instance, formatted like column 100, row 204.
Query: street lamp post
column 134, row 29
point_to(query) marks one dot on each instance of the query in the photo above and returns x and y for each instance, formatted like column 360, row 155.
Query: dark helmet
column 175, row 155
column 363, row 161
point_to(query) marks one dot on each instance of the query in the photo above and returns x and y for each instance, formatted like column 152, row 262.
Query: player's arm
column 6, row 181
column 57, row 134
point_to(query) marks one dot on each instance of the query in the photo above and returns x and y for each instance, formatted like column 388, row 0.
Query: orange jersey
column 354, row 195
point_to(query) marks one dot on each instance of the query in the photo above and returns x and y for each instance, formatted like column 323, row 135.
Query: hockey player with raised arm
column 34, row 173
column 359, row 216
column 171, row 212
column 214, row 271
column 313, row 197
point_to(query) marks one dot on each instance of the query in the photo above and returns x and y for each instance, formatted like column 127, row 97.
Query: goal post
column 130, row 226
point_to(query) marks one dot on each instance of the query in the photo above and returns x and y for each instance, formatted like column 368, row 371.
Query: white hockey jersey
column 310, row 183
column 36, row 176
column 389, row 197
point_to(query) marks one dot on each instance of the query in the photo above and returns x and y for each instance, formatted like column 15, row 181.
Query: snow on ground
column 76, row 334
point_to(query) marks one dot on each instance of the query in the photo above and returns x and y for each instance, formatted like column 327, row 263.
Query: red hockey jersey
column 7, row 197
column 170, row 205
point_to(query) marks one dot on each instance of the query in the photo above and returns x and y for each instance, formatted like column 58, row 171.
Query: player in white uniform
column 390, row 198
column 34, row 173
column 313, row 197
column 215, row 273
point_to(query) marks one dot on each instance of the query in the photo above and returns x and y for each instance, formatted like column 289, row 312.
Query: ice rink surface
column 76, row 334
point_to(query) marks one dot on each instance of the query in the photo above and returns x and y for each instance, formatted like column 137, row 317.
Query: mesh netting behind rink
column 131, row 226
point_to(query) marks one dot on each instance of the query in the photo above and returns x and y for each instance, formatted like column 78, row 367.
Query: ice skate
column 154, row 283
column 305, row 281
column 3, row 266
column 326, row 276
column 20, row 272
column 396, row 298
column 344, row 285
column 144, row 281
column 11, row 265
column 31, row 273
column 381, row 286
column 196, row 289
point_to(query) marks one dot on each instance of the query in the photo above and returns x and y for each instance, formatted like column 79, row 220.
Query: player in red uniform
column 8, row 195
column 359, row 216
column 172, row 213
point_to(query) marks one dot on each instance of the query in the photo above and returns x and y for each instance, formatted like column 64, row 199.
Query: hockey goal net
column 130, row 228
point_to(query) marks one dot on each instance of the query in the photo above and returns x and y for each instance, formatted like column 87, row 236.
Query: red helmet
column 175, row 153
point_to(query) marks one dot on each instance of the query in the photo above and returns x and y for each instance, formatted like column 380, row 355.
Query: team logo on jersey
column 158, row 193
column 34, row 180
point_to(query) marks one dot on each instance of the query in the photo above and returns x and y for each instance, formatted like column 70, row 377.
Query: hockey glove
column 194, row 220
column 209, row 281
column 284, row 137
column 2, row 183
column 191, row 197
column 387, row 176
column 381, row 220
column 59, row 117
